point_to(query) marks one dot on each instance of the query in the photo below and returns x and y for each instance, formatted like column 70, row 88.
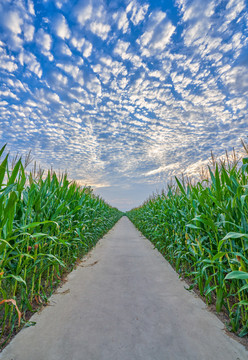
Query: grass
column 202, row 230
column 46, row 225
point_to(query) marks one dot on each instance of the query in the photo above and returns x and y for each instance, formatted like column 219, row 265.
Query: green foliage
column 203, row 232
column 46, row 225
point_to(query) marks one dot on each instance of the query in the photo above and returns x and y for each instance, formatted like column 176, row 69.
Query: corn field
column 46, row 225
column 202, row 230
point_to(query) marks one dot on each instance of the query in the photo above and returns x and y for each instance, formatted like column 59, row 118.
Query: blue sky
column 123, row 94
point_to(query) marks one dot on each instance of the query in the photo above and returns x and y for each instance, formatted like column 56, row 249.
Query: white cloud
column 145, row 37
column 28, row 30
column 163, row 37
column 82, row 45
column 69, row 68
column 122, row 21
column 121, row 49
column 53, row 97
column 163, row 169
column 77, row 43
column 83, row 12
column 8, row 65
column 123, row 83
column 18, row 85
column 158, row 34
column 181, row 4
column 31, row 7
column 234, row 8
column 196, row 10
column 60, row 3
column 13, row 21
column 100, row 29
column 87, row 49
column 93, row 16
column 154, row 20
column 44, row 41
column 138, row 12
column 31, row 103
column 237, row 104
column 158, row 74
column 7, row 62
column 73, row 71
column 61, row 79
column 196, row 33
column 106, row 61
column 66, row 50
column 8, row 93
column 236, row 78
column 27, row 58
column 61, row 27
column 80, row 61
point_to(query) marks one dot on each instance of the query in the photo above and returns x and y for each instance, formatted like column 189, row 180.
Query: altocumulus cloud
column 123, row 94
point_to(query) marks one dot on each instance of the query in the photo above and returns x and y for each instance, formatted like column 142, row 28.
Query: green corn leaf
column 206, row 221
column 180, row 186
column 218, row 256
column 14, row 173
column 217, row 183
column 209, row 290
column 219, row 299
column 22, row 180
column 245, row 287
column 3, row 169
column 16, row 277
column 38, row 235
column 52, row 257
column 238, row 275
column 66, row 243
column 6, row 242
column 7, row 190
column 9, row 212
column 234, row 235
column 243, row 302
column 212, row 175
column 27, row 255
column 231, row 235
column 192, row 226
column 2, row 150
column 35, row 224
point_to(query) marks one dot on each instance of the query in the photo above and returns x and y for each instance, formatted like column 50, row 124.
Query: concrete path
column 124, row 302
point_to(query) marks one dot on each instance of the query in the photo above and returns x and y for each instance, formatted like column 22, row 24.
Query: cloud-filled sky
column 123, row 94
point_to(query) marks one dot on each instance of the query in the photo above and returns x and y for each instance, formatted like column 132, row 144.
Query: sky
column 123, row 95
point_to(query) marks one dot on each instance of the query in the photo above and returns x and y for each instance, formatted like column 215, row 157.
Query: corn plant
column 203, row 232
column 46, row 225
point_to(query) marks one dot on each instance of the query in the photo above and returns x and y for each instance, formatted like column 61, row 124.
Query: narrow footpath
column 124, row 302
